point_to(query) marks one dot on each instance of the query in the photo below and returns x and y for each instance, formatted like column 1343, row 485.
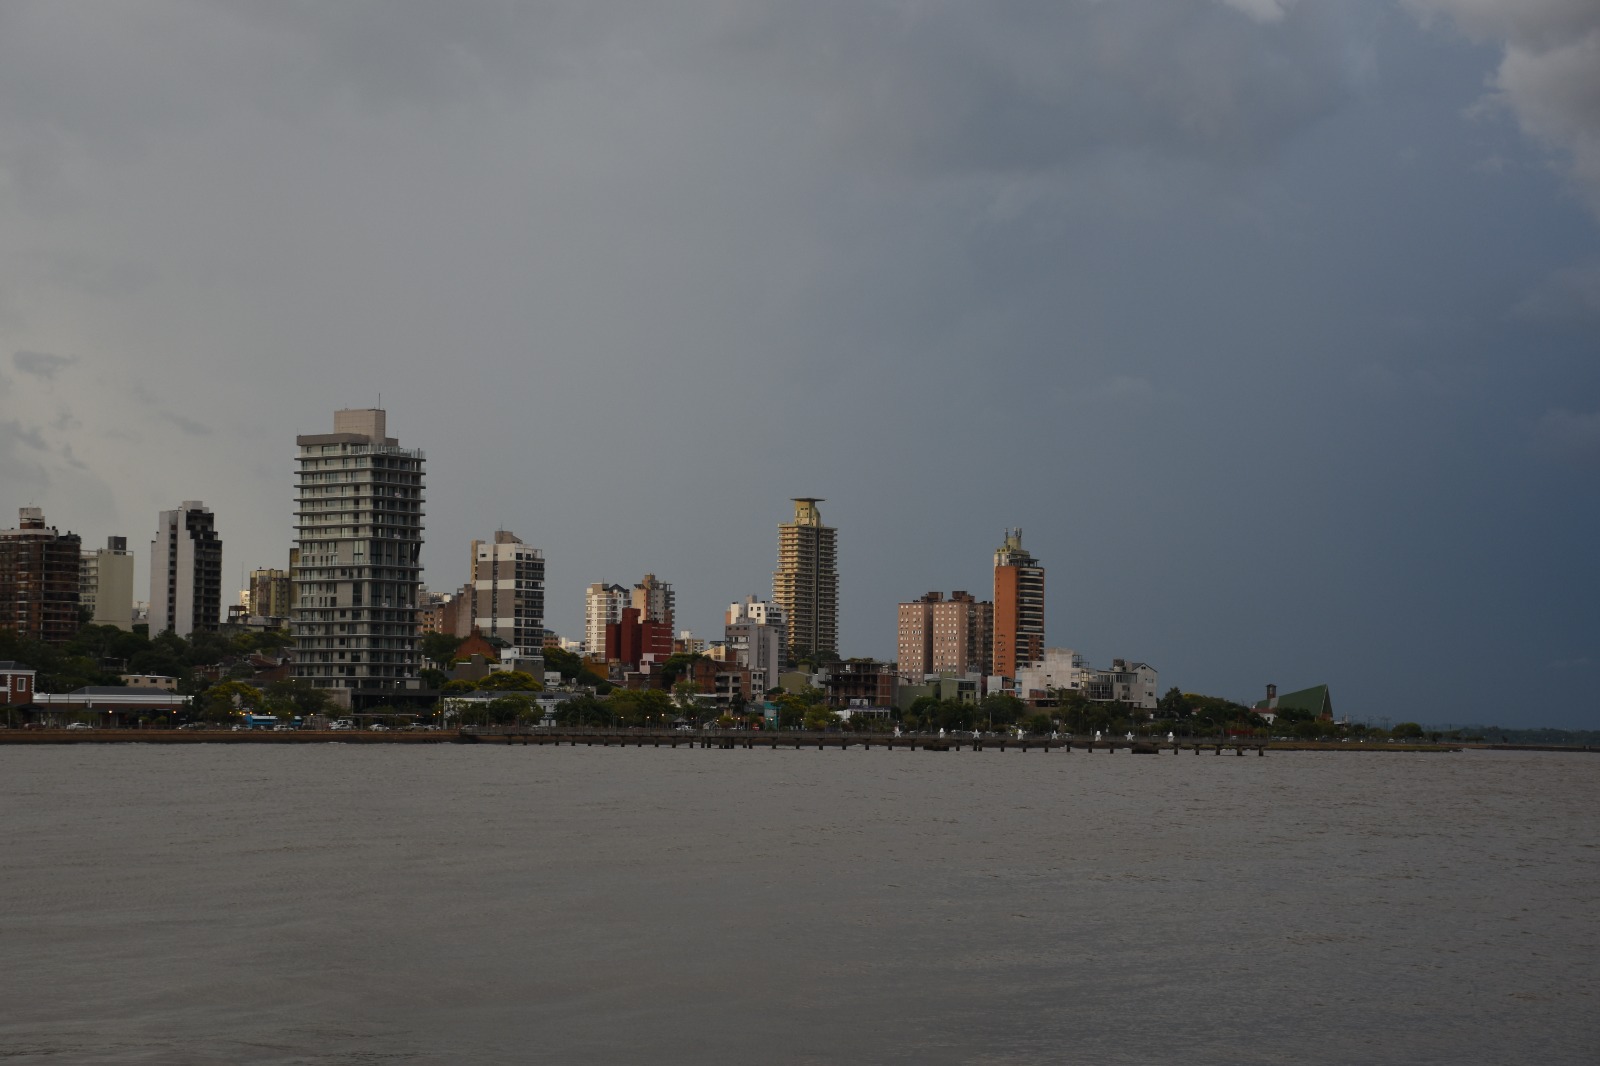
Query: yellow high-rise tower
column 806, row 583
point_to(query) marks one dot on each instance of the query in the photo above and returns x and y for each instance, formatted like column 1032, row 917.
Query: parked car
column 378, row 727
column 79, row 725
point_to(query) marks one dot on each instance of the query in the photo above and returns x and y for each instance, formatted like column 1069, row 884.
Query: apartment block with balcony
column 186, row 571
column 939, row 636
column 806, row 584
column 1018, row 607
column 40, row 570
column 508, row 591
column 359, row 523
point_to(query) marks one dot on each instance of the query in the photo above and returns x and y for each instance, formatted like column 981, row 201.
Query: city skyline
column 1272, row 323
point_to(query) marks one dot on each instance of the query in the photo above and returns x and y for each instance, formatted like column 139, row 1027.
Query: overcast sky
column 1275, row 325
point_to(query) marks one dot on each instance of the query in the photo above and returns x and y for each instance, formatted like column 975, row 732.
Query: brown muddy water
column 467, row 904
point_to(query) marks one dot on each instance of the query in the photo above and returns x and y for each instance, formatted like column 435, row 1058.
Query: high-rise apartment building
column 508, row 591
column 105, row 584
column 602, row 606
column 39, row 574
column 358, row 521
column 757, row 639
column 939, row 636
column 806, row 584
column 1018, row 607
column 186, row 571
column 655, row 601
column 270, row 595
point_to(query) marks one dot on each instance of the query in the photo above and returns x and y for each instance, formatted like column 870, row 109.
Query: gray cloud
column 22, row 468
column 1083, row 267
column 42, row 364
column 189, row 425
column 1549, row 75
column 1052, row 83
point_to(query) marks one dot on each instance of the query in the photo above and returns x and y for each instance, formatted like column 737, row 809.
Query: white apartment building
column 602, row 606
column 186, row 571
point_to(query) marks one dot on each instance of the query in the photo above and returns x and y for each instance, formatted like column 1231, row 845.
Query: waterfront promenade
column 727, row 740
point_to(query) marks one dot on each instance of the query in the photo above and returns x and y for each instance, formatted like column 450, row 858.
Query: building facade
column 859, row 682
column 358, row 522
column 631, row 638
column 1018, row 607
column 508, row 591
column 1062, row 670
column 939, row 636
column 186, row 571
column 805, row 586
column 16, row 683
column 756, row 638
column 105, row 584
column 271, row 594
column 39, row 575
column 655, row 601
column 602, row 606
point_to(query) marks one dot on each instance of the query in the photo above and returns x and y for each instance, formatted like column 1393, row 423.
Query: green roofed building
column 1314, row 700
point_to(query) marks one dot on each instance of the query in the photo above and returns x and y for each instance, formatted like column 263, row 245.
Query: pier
column 751, row 739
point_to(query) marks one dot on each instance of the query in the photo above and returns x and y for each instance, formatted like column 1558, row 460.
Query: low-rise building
column 160, row 681
column 1064, row 670
column 870, row 681
column 16, row 683
column 1315, row 701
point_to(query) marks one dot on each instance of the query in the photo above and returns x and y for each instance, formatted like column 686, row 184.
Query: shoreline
column 655, row 738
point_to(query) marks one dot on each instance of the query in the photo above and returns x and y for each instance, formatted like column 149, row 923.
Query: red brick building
column 629, row 639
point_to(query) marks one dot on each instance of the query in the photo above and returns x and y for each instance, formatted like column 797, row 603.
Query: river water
column 470, row 904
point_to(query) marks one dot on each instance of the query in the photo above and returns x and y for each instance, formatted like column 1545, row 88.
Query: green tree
column 1406, row 731
column 641, row 707
column 818, row 718
column 304, row 697
column 237, row 695
column 509, row 709
column 440, row 648
column 1000, row 709
column 510, row 681
column 1174, row 704
column 582, row 710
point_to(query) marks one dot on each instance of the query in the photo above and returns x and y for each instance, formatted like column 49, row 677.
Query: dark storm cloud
column 42, row 364
column 1243, row 310
column 1040, row 84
